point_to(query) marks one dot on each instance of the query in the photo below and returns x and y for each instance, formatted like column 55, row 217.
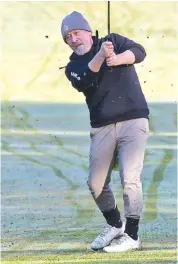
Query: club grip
column 109, row 39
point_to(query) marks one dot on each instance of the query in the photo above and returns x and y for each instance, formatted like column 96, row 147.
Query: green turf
column 54, row 246
column 82, row 256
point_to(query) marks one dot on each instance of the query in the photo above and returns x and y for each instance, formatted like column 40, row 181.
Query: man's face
column 80, row 41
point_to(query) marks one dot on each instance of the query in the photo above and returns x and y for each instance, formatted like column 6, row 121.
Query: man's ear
column 90, row 35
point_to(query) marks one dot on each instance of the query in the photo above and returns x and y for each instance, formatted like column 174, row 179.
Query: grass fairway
column 82, row 256
column 73, row 246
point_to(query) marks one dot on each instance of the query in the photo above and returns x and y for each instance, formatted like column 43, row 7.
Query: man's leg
column 102, row 151
column 132, row 136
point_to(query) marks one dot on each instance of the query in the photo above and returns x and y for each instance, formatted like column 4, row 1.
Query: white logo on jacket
column 75, row 75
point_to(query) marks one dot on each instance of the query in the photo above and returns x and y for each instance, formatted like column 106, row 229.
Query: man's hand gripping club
column 107, row 52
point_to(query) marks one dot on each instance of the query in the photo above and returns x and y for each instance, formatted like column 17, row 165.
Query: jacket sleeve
column 123, row 44
column 80, row 76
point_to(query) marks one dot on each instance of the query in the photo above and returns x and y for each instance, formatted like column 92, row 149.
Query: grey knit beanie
column 74, row 21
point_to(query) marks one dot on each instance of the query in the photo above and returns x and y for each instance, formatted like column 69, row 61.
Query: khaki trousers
column 127, row 140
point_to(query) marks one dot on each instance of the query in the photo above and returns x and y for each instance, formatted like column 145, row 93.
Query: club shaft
column 108, row 17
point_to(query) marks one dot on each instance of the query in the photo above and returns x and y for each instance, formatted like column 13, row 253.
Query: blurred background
column 33, row 48
column 45, row 124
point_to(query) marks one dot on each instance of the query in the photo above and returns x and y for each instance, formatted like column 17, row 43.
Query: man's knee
column 95, row 188
column 131, row 176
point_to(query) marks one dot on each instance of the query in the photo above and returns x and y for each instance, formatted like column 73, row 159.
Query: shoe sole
column 133, row 249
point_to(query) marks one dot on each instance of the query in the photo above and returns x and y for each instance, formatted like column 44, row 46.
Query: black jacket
column 111, row 95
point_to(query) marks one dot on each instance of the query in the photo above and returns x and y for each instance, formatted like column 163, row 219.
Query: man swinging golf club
column 119, row 125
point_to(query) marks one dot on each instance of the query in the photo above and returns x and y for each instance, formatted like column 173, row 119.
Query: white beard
column 82, row 49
